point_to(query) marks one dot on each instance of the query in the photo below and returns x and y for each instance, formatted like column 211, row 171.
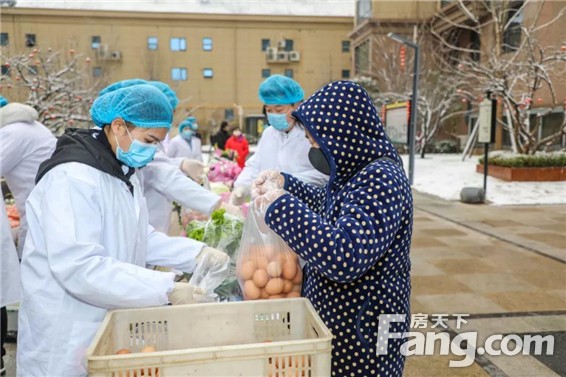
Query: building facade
column 215, row 62
column 375, row 18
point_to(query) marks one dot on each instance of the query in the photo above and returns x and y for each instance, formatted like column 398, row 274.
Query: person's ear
column 118, row 126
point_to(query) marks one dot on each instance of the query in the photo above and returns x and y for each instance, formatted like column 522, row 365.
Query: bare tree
column 57, row 85
column 514, row 66
column 392, row 69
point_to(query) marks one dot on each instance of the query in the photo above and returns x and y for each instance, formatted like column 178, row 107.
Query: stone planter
column 525, row 174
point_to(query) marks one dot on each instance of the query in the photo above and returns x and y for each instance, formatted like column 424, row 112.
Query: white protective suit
column 25, row 144
column 88, row 244
column 164, row 183
column 179, row 147
column 9, row 263
column 286, row 152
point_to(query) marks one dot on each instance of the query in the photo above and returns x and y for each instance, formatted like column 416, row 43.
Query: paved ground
column 505, row 266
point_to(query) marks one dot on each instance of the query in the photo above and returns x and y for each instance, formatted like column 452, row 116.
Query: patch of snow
column 344, row 8
column 444, row 175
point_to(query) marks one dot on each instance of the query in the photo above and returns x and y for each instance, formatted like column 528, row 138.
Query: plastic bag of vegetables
column 222, row 232
column 267, row 268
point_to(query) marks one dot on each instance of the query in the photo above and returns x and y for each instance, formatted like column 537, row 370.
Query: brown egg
column 275, row 296
column 148, row 349
column 274, row 286
column 296, row 288
column 263, row 294
column 287, row 286
column 293, row 294
column 260, row 278
column 262, row 262
column 247, row 270
column 251, row 292
column 298, row 279
column 123, row 351
column 289, row 270
column 274, row 269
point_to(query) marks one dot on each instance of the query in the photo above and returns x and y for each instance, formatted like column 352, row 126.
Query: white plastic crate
column 271, row 338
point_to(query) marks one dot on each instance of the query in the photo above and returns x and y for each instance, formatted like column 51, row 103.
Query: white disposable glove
column 267, row 180
column 185, row 293
column 212, row 258
column 193, row 169
column 232, row 210
column 263, row 202
column 239, row 195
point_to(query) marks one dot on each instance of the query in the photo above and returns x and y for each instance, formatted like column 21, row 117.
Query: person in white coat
column 9, row 277
column 89, row 239
column 26, row 143
column 282, row 146
column 173, row 179
column 186, row 144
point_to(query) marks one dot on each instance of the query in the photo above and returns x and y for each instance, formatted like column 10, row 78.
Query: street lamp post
column 414, row 97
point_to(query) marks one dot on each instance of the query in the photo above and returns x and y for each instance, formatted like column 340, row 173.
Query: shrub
column 539, row 160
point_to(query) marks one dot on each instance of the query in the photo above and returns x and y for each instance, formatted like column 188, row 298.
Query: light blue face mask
column 187, row 134
column 278, row 121
column 140, row 154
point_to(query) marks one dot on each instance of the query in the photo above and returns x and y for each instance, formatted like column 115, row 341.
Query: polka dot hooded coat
column 354, row 233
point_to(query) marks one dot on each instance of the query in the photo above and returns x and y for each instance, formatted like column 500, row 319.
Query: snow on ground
column 444, row 175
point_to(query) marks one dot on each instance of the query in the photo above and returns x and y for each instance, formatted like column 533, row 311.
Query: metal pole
column 413, row 125
column 485, row 154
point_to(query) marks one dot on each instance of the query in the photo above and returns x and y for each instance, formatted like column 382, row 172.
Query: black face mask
column 319, row 161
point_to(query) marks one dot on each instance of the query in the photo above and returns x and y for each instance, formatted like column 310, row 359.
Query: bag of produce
column 267, row 268
column 222, row 232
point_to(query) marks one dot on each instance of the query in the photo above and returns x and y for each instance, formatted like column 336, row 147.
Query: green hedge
column 528, row 161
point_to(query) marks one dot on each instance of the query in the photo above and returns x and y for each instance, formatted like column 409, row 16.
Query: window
column 475, row 44
column 152, row 43
column 5, row 70
column 178, row 44
column 444, row 3
column 265, row 73
column 4, row 39
column 512, row 34
column 361, row 57
column 207, row 73
column 289, row 73
column 363, row 10
column 289, row 45
column 95, row 42
column 207, row 44
column 30, row 40
column 345, row 73
column 96, row 71
column 32, row 69
column 178, row 74
column 345, row 46
column 229, row 114
column 265, row 43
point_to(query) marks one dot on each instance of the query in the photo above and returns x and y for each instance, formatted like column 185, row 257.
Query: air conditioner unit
column 271, row 54
column 103, row 52
column 116, row 55
column 294, row 56
column 282, row 44
column 282, row 56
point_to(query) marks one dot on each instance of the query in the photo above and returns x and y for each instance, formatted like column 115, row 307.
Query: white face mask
column 237, row 133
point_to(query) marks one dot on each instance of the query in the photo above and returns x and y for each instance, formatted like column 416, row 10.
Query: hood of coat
column 89, row 147
column 17, row 112
column 343, row 120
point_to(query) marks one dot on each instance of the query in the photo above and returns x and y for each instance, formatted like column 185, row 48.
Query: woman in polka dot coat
column 354, row 233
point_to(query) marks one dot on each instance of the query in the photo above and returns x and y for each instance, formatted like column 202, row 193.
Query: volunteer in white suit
column 25, row 144
column 166, row 179
column 9, row 276
column 89, row 239
column 282, row 146
column 186, row 144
